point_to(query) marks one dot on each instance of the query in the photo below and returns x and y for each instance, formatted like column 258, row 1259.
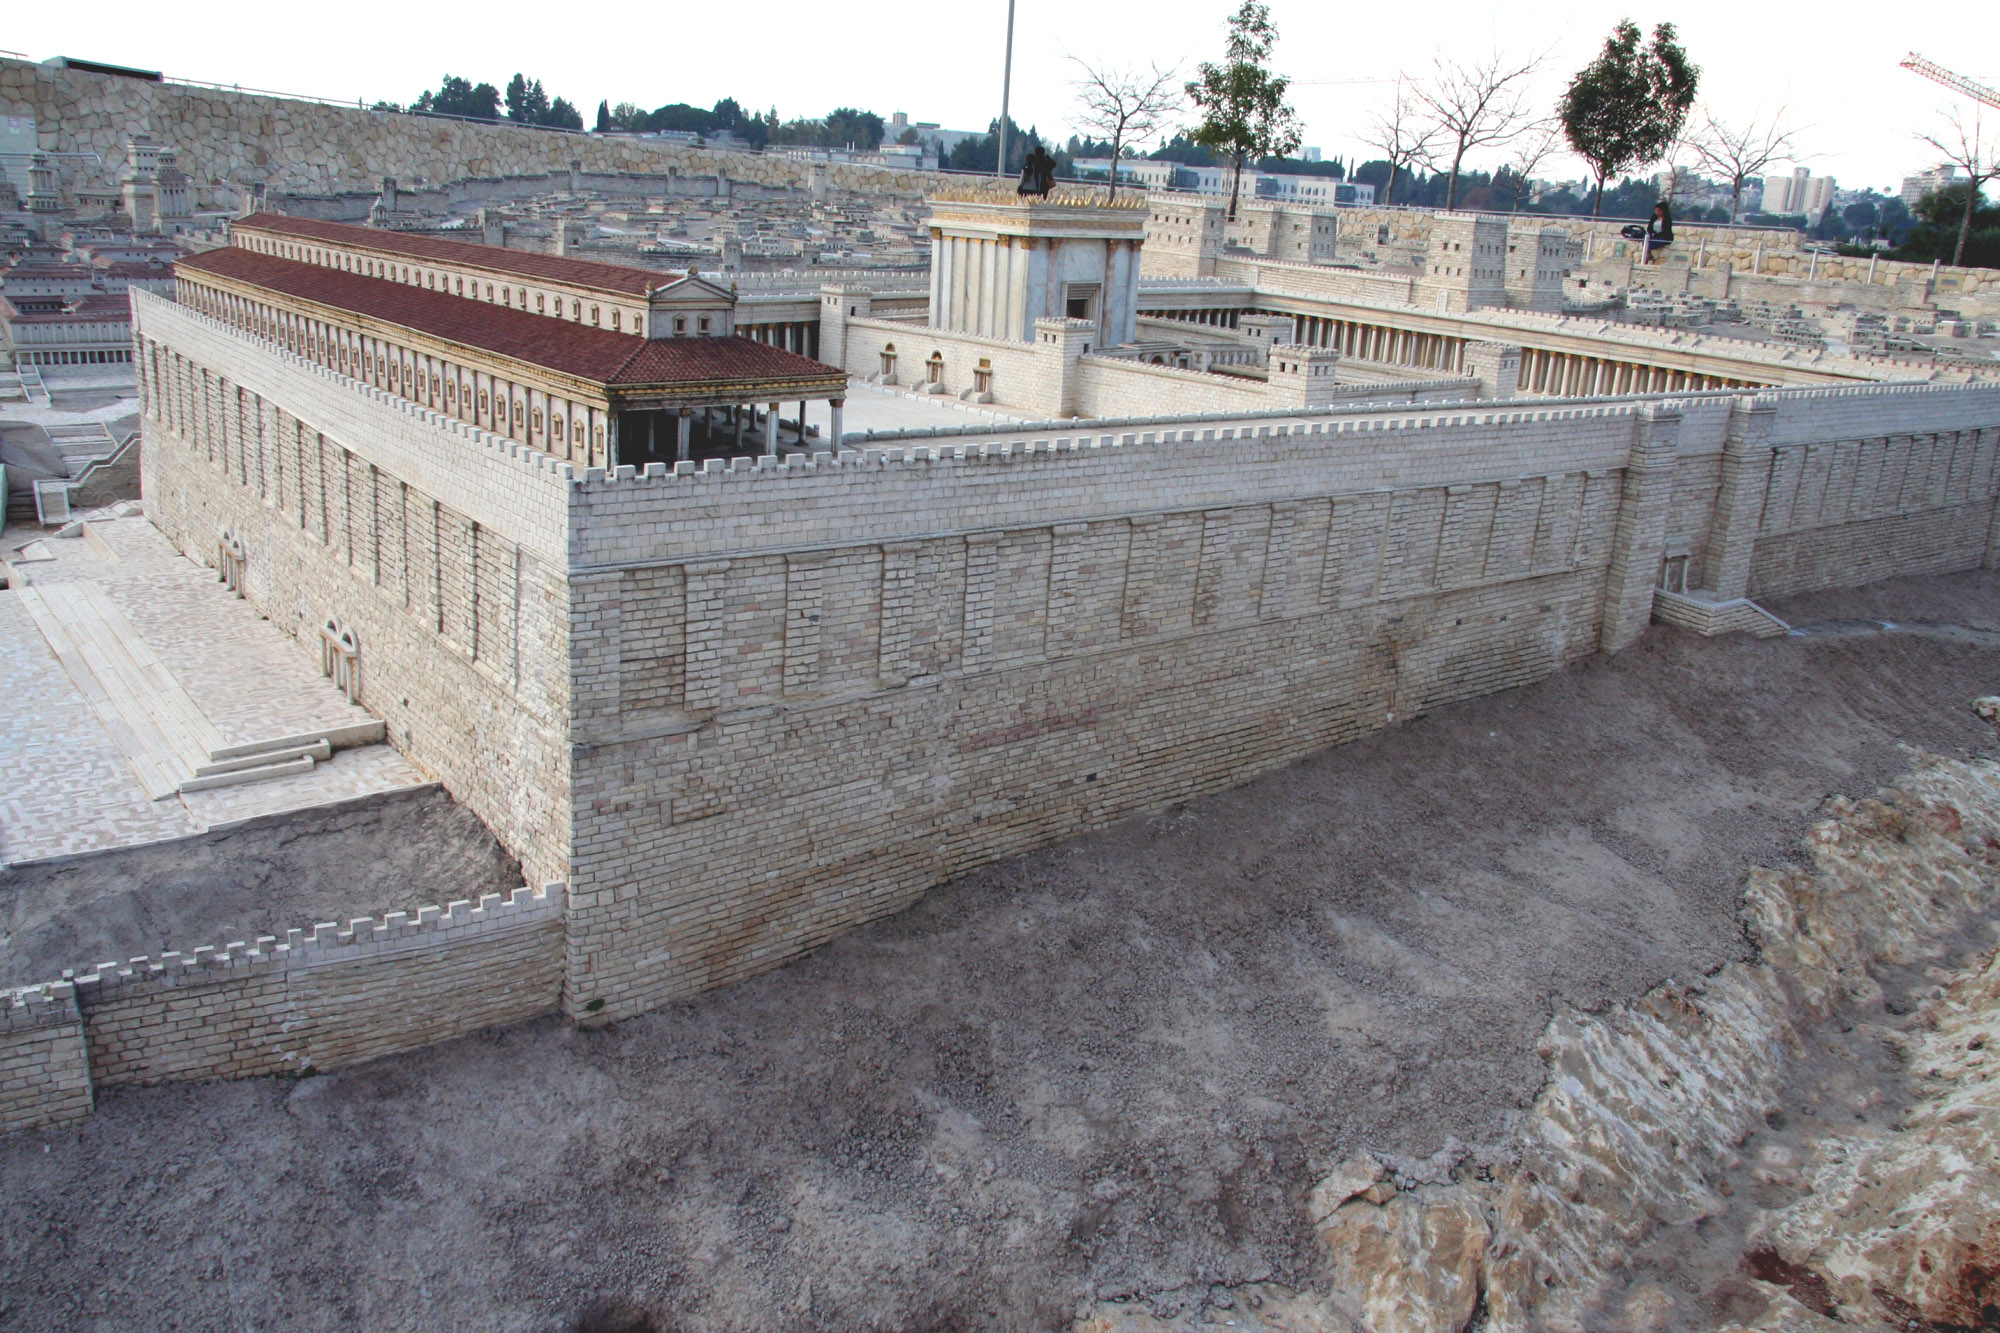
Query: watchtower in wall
column 1465, row 267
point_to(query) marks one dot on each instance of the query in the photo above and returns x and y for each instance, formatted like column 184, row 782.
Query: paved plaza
column 71, row 784
column 871, row 407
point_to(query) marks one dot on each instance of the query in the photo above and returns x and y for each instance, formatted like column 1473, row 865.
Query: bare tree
column 1405, row 136
column 1965, row 147
column 1479, row 105
column 1537, row 143
column 1126, row 106
column 1680, row 172
column 1738, row 152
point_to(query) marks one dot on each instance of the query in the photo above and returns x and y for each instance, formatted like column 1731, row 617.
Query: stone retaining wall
column 44, row 1064
column 794, row 694
column 311, row 1002
column 231, row 141
column 439, row 546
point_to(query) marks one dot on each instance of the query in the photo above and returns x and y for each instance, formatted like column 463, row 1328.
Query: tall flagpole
column 1006, row 86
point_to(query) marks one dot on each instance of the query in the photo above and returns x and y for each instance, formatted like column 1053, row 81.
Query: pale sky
column 1834, row 69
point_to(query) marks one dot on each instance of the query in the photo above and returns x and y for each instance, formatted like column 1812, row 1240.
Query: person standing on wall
column 1660, row 230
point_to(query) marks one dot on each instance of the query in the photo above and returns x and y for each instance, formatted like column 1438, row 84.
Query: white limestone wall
column 1027, row 375
column 1110, row 387
column 886, row 671
column 442, row 548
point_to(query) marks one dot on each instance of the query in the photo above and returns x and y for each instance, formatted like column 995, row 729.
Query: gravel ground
column 401, row 852
column 1112, row 1066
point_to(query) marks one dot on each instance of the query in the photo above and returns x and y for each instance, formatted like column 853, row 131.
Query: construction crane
column 1958, row 83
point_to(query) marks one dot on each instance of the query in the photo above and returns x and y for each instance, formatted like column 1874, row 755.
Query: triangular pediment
column 693, row 288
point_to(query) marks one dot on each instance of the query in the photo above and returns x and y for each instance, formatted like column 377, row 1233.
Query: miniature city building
column 593, row 363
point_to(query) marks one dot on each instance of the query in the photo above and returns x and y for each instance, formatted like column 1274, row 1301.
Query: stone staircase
column 1709, row 615
column 169, row 743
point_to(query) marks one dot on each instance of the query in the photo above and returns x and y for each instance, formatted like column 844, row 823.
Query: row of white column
column 536, row 417
column 744, row 413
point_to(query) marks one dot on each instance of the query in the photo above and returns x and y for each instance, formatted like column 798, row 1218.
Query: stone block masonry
column 229, row 141
column 44, row 1062
column 360, row 508
column 743, row 706
column 313, row 1001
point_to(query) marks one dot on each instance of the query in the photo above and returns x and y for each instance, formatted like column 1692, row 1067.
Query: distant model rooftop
column 596, row 355
column 590, row 374
column 513, row 264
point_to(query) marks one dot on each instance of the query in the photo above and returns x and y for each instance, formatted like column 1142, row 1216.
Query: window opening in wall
column 538, row 303
column 680, row 324
column 703, row 322
column 1674, row 574
column 340, row 658
column 593, row 314
column 934, row 369
column 614, row 318
column 230, row 560
column 889, row 364
column 982, row 376
column 458, row 286
column 483, row 402
column 489, row 291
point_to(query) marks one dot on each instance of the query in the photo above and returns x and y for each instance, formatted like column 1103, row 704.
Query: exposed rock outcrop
column 1646, row 1104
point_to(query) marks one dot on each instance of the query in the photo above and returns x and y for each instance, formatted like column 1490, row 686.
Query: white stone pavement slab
column 65, row 785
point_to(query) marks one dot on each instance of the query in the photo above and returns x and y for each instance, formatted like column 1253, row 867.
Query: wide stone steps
column 170, row 744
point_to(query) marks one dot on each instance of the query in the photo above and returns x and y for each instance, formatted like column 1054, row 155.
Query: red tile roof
column 621, row 359
column 97, row 308
column 543, row 268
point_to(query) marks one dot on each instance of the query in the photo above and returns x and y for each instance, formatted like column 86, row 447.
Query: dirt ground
column 1112, row 1066
column 364, row 859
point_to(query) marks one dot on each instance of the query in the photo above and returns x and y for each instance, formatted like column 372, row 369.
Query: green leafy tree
column 603, row 117
column 1626, row 108
column 527, row 104
column 460, row 97
column 1242, row 103
column 1942, row 231
column 982, row 154
column 562, row 115
column 681, row 118
column 845, row 125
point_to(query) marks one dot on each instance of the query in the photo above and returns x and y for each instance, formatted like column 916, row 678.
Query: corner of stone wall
column 1739, row 502
column 1496, row 366
column 44, row 1060
column 1641, row 536
column 1060, row 344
